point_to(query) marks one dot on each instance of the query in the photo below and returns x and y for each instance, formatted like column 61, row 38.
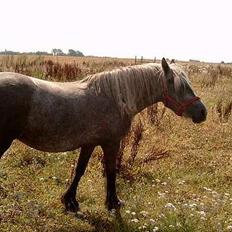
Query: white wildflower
column 185, row 205
column 170, row 206
column 127, row 211
column 133, row 213
column 207, row 189
column 202, row 213
column 135, row 220
column 181, row 182
column 144, row 213
column 214, row 193
column 155, row 229
column 152, row 221
column 162, row 215
column 161, row 195
column 192, row 205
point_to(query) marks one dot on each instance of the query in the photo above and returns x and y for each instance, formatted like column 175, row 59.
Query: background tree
column 72, row 52
column 57, row 52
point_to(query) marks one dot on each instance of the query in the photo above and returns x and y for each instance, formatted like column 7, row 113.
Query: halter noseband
column 179, row 108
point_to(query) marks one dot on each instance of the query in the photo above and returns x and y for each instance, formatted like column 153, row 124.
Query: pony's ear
column 172, row 61
column 167, row 71
column 165, row 66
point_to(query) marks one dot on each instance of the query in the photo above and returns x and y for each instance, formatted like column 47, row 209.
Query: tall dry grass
column 58, row 68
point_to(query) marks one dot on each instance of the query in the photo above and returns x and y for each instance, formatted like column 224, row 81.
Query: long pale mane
column 130, row 87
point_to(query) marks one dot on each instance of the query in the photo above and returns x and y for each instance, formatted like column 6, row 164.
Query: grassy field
column 176, row 177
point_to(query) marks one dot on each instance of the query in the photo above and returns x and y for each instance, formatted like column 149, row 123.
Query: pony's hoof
column 71, row 204
column 80, row 215
column 114, row 205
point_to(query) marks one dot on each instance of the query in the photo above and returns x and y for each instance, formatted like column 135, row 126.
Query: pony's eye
column 170, row 80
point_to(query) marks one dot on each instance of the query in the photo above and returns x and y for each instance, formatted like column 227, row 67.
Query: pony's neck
column 148, row 96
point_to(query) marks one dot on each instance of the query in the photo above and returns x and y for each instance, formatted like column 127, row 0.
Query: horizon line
column 139, row 57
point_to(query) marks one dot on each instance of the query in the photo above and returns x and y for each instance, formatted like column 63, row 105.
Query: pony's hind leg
column 110, row 155
column 69, row 197
column 4, row 145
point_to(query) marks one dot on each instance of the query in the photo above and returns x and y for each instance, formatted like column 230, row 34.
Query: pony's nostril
column 203, row 113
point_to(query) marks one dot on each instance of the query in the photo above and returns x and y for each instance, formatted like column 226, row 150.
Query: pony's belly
column 60, row 142
column 50, row 147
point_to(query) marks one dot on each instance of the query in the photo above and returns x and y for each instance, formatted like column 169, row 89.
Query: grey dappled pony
column 98, row 110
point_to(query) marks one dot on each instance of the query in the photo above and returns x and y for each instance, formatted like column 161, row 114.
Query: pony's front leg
column 110, row 155
column 69, row 197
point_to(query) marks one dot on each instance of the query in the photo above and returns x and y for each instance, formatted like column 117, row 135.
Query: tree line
column 54, row 52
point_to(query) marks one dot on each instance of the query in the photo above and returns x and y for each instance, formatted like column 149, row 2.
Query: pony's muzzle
column 200, row 114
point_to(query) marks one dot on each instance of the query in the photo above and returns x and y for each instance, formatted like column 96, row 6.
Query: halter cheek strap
column 170, row 102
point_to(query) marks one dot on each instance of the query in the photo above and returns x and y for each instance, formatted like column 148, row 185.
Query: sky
column 180, row 29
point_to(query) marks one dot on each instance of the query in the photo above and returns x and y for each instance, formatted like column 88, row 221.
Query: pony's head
column 178, row 94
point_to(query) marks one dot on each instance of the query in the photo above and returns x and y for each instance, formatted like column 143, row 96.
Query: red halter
column 179, row 108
